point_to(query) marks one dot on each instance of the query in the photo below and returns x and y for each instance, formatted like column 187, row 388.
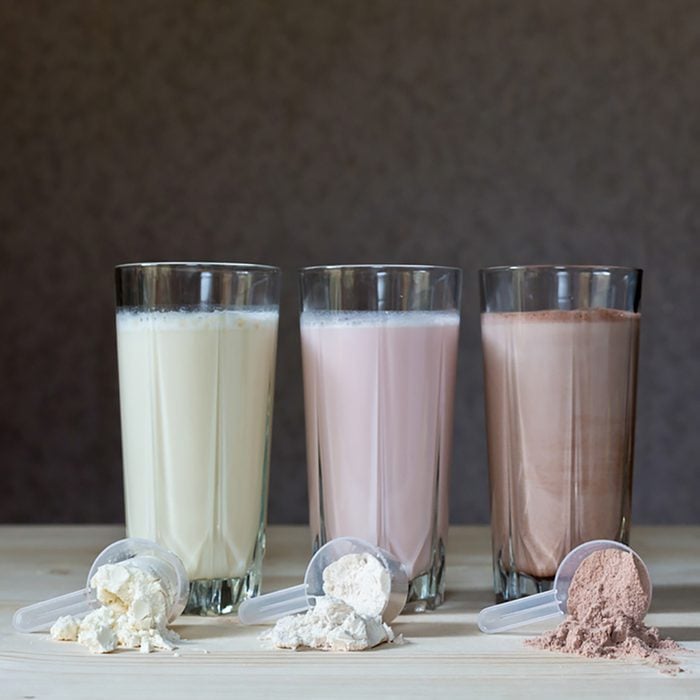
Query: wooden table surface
column 445, row 654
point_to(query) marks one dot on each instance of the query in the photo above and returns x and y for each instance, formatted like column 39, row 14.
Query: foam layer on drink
column 196, row 405
column 379, row 318
column 560, row 405
column 379, row 394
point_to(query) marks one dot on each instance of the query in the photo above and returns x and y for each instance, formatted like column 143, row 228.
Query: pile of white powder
column 133, row 615
column 348, row 617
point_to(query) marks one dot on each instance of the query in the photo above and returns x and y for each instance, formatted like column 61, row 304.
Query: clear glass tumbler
column 196, row 347
column 379, row 350
column 560, row 349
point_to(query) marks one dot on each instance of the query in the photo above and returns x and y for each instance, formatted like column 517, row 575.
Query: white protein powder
column 133, row 613
column 348, row 616
column 361, row 581
column 331, row 625
column 65, row 628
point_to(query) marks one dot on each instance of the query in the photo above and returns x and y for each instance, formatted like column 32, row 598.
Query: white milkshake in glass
column 196, row 392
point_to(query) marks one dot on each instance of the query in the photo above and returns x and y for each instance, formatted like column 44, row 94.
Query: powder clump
column 606, row 605
column 330, row 625
column 348, row 617
column 133, row 613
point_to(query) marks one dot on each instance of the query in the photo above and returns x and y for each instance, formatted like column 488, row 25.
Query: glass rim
column 573, row 268
column 381, row 267
column 233, row 266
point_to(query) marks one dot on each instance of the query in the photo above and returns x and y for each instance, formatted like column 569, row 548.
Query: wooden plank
column 445, row 654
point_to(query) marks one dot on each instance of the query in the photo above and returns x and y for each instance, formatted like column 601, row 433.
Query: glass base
column 427, row 591
column 222, row 596
column 510, row 585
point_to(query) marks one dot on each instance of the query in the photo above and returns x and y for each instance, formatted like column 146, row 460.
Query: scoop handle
column 516, row 613
column 40, row 616
column 272, row 606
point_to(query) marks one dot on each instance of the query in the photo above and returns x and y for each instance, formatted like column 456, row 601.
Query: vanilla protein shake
column 379, row 392
column 560, row 398
column 196, row 348
column 196, row 403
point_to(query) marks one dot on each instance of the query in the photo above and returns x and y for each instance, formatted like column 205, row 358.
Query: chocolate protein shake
column 560, row 396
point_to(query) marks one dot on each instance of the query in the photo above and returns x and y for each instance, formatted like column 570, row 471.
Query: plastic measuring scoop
column 272, row 606
column 541, row 606
column 145, row 554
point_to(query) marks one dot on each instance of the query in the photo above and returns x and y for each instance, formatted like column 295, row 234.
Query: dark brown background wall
column 469, row 133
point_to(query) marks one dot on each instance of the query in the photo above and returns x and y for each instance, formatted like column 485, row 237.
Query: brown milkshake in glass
column 560, row 351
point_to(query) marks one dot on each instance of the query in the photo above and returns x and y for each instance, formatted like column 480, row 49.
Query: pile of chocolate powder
column 606, row 607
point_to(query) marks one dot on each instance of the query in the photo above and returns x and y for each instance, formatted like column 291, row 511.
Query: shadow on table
column 204, row 630
column 466, row 601
column 681, row 634
column 675, row 599
column 433, row 622
column 423, row 628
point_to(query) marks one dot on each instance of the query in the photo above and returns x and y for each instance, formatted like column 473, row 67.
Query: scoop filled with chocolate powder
column 605, row 590
column 607, row 601
column 558, row 601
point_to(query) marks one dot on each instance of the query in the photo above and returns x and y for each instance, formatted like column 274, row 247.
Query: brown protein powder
column 606, row 606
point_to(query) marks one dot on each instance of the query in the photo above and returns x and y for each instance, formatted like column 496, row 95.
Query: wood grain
column 445, row 654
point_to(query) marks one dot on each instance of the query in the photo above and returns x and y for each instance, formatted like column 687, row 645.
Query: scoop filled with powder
column 335, row 570
column 603, row 590
column 557, row 602
column 608, row 598
column 610, row 580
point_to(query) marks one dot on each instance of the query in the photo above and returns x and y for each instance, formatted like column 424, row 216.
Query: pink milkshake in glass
column 379, row 350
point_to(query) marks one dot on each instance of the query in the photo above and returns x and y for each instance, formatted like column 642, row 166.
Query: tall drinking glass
column 379, row 350
column 196, row 347
column 560, row 349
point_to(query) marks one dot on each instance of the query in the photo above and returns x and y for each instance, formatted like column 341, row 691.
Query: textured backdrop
column 467, row 133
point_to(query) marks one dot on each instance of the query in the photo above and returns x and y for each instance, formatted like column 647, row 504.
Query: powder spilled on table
column 606, row 606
